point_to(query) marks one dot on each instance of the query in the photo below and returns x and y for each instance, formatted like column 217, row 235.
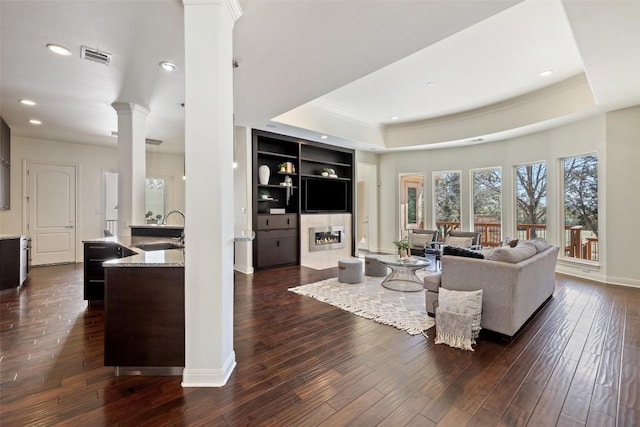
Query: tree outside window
column 581, row 206
column 446, row 187
column 487, row 204
column 531, row 200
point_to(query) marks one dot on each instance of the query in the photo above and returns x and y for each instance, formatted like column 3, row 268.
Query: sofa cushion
column 455, row 251
column 461, row 242
column 540, row 244
column 521, row 252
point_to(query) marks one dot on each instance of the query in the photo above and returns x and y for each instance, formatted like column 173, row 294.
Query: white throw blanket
column 454, row 329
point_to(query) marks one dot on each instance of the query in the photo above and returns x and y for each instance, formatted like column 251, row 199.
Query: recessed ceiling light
column 324, row 137
column 35, row 122
column 28, row 102
column 168, row 66
column 60, row 50
column 394, row 118
column 546, row 73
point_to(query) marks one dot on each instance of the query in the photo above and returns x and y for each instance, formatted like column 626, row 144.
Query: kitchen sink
column 160, row 246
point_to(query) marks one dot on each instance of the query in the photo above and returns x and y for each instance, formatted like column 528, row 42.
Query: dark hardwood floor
column 303, row 362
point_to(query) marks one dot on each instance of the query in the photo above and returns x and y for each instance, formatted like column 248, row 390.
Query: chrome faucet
column 172, row 212
column 181, row 238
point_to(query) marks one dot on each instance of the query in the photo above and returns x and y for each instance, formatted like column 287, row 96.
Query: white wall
column 621, row 131
column 622, row 192
column 92, row 161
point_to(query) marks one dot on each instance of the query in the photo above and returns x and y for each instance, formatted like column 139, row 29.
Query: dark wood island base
column 144, row 318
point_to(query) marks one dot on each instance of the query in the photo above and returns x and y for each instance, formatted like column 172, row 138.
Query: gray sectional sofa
column 515, row 282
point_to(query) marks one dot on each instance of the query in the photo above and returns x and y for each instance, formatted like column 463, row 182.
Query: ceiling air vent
column 95, row 55
column 153, row 141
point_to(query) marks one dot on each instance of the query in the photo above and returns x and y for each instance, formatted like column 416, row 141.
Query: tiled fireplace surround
column 320, row 260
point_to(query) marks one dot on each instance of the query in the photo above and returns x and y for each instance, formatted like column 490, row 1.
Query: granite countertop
column 142, row 258
column 10, row 236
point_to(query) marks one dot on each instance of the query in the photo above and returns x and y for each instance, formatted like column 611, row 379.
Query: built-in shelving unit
column 277, row 241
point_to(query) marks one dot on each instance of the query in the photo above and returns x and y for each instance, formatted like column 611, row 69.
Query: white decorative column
column 209, row 354
column 131, row 165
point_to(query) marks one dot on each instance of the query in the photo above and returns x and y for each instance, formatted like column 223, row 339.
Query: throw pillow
column 540, row 244
column 458, row 318
column 461, row 242
column 419, row 240
column 455, row 251
column 513, row 255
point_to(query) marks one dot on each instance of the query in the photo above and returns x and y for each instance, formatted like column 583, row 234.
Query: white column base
column 209, row 377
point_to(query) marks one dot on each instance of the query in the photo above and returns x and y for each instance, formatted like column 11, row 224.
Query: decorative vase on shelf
column 263, row 174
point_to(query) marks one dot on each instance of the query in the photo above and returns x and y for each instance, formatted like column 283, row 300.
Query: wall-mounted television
column 325, row 195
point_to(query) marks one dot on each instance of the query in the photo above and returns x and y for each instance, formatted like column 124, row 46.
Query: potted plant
column 282, row 167
column 325, row 171
column 403, row 247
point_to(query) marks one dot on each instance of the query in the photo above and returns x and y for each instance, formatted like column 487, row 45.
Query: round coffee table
column 403, row 273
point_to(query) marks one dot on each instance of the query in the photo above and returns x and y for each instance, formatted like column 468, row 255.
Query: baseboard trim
column 193, row 377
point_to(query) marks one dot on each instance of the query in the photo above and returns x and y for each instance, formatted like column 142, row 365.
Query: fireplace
column 325, row 238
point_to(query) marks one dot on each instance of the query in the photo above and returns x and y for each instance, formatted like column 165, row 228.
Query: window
column 411, row 202
column 531, row 200
column 487, row 204
column 446, row 201
column 580, row 189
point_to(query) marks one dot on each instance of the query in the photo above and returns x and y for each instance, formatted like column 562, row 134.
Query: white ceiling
column 361, row 61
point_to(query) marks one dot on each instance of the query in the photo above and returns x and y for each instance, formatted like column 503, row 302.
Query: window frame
column 472, row 210
column 562, row 257
column 434, row 187
column 515, row 196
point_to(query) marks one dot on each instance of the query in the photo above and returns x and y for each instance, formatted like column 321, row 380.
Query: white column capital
column 128, row 108
column 233, row 6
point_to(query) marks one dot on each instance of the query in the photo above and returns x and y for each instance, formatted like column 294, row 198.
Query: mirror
column 154, row 205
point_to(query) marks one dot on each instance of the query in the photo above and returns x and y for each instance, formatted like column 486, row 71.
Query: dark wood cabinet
column 5, row 187
column 277, row 206
column 5, row 166
column 144, row 317
column 276, row 242
column 9, row 263
column 95, row 253
column 5, row 142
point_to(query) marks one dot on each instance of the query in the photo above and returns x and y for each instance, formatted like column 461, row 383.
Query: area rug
column 402, row 310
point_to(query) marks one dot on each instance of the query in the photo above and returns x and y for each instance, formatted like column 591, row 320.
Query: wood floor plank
column 306, row 363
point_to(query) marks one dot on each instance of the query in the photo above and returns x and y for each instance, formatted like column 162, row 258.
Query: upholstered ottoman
column 373, row 267
column 431, row 286
column 350, row 270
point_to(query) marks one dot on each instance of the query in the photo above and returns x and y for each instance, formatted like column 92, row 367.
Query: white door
column 366, row 208
column 362, row 210
column 51, row 208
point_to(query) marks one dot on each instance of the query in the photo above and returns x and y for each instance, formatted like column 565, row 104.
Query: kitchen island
column 143, row 305
column 14, row 260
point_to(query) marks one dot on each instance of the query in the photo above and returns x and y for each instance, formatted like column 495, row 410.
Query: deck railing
column 575, row 245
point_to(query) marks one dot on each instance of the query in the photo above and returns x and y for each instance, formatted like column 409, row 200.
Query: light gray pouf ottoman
column 350, row 270
column 373, row 267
